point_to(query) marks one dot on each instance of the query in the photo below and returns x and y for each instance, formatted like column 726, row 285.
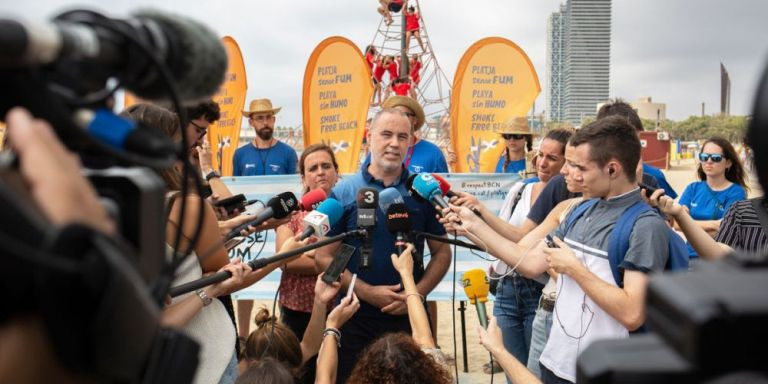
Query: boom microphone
column 277, row 207
column 476, row 288
column 311, row 199
column 319, row 221
column 92, row 48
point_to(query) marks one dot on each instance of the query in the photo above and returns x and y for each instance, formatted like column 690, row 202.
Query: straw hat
column 409, row 103
column 516, row 125
column 261, row 106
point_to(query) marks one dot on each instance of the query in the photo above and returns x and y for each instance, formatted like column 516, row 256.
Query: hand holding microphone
column 278, row 207
column 476, row 287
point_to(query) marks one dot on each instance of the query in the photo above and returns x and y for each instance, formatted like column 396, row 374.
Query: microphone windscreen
column 310, row 199
column 388, row 197
column 409, row 188
column 367, row 198
column 283, row 204
column 195, row 55
column 398, row 219
column 476, row 285
column 332, row 208
column 426, row 186
column 444, row 186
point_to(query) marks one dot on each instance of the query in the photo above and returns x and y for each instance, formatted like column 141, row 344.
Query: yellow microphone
column 476, row 288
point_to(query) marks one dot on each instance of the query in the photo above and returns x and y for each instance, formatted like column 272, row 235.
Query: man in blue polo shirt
column 382, row 306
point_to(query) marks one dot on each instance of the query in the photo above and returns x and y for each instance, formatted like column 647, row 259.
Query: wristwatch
column 211, row 175
column 204, row 297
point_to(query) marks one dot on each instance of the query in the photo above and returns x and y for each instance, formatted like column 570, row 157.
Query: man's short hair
column 208, row 110
column 619, row 107
column 387, row 111
column 611, row 138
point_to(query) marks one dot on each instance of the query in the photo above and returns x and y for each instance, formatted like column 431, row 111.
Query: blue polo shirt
column 706, row 204
column 279, row 159
column 381, row 272
column 661, row 179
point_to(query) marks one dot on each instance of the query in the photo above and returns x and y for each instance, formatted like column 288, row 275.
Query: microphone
column 123, row 133
column 277, row 207
column 91, row 48
column 445, row 187
column 367, row 199
column 476, row 288
column 319, row 221
column 311, row 199
column 428, row 188
column 388, row 197
column 399, row 224
column 409, row 188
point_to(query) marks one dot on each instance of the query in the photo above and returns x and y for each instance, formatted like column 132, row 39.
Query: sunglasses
column 715, row 157
column 515, row 136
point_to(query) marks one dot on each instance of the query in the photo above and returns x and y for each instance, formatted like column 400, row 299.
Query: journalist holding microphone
column 383, row 306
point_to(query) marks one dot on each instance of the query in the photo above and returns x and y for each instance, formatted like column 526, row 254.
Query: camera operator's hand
column 53, row 174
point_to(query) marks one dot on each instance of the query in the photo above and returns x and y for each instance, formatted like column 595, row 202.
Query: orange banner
column 494, row 82
column 337, row 91
column 224, row 135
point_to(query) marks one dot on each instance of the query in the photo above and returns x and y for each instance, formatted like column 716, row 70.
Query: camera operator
column 52, row 176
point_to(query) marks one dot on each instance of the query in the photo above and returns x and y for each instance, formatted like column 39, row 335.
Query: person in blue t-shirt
column 265, row 155
column 721, row 184
column 518, row 137
column 382, row 304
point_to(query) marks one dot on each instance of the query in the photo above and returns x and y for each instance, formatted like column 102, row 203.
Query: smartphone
column 338, row 264
column 352, row 285
column 233, row 242
column 550, row 242
column 648, row 189
column 230, row 204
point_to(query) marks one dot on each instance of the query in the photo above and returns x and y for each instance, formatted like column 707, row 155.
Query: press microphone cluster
column 277, row 207
column 476, row 287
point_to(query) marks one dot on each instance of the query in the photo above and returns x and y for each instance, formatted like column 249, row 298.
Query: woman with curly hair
column 395, row 357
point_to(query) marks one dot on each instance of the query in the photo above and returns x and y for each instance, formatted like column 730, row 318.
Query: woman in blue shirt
column 517, row 137
column 721, row 184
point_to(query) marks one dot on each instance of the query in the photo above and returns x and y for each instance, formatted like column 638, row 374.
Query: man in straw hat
column 265, row 155
column 517, row 136
column 422, row 156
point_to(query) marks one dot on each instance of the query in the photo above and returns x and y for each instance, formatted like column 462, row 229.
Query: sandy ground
column 679, row 175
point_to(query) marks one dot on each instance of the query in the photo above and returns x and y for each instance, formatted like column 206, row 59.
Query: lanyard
column 410, row 153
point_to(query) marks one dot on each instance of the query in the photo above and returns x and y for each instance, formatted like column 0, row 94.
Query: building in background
column 555, row 91
column 587, row 57
column 725, row 92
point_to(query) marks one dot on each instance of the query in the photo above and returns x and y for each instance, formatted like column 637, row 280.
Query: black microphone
column 277, row 207
column 399, row 224
column 367, row 201
column 92, row 48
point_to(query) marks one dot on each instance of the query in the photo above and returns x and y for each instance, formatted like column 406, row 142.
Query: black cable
column 453, row 313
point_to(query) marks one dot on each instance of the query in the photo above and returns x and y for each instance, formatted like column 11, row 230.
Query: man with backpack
column 591, row 303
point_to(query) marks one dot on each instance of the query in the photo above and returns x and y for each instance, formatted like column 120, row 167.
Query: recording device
column 311, row 199
column 278, row 207
column 409, row 188
column 445, row 187
column 367, row 199
column 319, row 221
column 232, row 203
column 476, row 288
column 648, row 189
column 399, row 224
column 389, row 196
column 550, row 241
column 338, row 264
column 351, row 288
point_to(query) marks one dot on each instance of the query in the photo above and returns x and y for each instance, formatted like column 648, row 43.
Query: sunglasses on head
column 716, row 157
column 515, row 136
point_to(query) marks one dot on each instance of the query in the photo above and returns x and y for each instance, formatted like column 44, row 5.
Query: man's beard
column 265, row 134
